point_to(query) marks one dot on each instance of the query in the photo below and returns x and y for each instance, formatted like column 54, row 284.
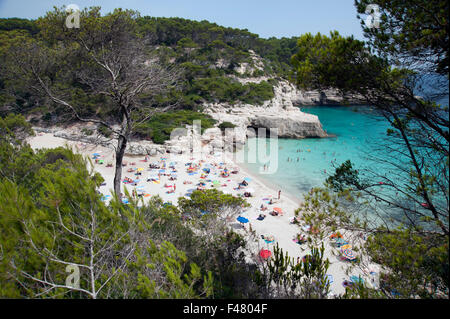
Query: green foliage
column 180, row 284
column 103, row 130
column 51, row 215
column 416, row 30
column 207, row 52
column 211, row 201
column 9, row 24
column 321, row 210
column 224, row 125
column 344, row 177
column 418, row 263
column 87, row 132
column 14, row 128
column 335, row 62
column 224, row 89
column 160, row 126
column 306, row 279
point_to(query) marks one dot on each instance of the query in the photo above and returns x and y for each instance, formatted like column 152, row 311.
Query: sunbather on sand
column 261, row 217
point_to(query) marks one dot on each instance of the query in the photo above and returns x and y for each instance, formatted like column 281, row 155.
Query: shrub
column 225, row 125
column 160, row 126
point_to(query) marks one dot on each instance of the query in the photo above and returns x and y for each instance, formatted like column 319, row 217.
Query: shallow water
column 306, row 163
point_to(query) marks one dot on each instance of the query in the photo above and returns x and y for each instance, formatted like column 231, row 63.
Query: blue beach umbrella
column 242, row 220
column 247, row 179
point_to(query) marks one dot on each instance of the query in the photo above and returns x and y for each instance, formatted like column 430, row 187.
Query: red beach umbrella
column 264, row 253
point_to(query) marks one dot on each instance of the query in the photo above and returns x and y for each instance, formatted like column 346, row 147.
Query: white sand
column 277, row 226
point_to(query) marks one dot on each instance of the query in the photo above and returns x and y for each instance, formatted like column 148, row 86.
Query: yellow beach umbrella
column 140, row 169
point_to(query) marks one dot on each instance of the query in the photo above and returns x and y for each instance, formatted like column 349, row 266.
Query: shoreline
column 266, row 184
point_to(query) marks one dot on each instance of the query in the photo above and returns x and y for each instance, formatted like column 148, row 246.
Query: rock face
column 291, row 125
column 278, row 114
column 288, row 122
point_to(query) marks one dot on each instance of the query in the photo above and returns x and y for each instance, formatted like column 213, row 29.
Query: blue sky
column 263, row 17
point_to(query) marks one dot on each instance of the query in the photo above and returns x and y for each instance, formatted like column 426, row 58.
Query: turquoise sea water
column 310, row 160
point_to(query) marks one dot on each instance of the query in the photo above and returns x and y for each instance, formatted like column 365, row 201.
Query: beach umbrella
column 247, row 179
column 336, row 235
column 357, row 279
column 347, row 246
column 242, row 220
column 269, row 239
column 348, row 254
column 340, row 241
column 162, row 170
column 264, row 253
column 140, row 169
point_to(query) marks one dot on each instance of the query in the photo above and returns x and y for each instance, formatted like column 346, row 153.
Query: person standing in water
column 279, row 194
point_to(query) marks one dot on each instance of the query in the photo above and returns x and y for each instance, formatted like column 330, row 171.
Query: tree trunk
column 120, row 151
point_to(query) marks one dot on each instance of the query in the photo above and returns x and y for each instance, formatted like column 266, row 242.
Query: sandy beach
column 170, row 189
